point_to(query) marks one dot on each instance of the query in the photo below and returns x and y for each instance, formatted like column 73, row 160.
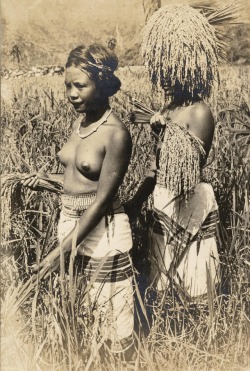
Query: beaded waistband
column 75, row 205
column 79, row 202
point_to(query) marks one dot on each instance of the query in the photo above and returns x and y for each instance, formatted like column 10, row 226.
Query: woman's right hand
column 32, row 180
column 48, row 265
column 157, row 122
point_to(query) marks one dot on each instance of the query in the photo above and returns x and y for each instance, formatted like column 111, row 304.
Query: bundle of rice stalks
column 141, row 114
column 10, row 184
column 8, row 181
column 180, row 50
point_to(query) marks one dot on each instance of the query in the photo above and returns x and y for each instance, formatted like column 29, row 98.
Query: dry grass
column 43, row 327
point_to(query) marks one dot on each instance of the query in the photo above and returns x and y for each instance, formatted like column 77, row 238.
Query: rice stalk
column 11, row 183
column 10, row 180
column 180, row 50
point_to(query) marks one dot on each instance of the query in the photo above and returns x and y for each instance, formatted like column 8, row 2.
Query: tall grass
column 43, row 326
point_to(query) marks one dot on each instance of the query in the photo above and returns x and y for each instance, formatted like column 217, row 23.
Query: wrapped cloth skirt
column 103, row 259
column 183, row 241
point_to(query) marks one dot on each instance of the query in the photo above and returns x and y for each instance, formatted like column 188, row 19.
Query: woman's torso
column 83, row 158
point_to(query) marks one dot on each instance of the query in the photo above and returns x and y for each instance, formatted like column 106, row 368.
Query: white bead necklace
column 102, row 120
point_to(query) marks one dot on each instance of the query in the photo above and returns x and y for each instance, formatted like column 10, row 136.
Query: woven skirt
column 183, row 241
column 103, row 260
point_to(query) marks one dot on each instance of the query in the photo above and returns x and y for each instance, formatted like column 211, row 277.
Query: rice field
column 42, row 326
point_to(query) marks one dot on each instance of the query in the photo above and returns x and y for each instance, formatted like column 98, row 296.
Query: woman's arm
column 198, row 118
column 56, row 177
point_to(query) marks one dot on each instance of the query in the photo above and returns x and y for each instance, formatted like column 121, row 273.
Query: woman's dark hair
column 100, row 65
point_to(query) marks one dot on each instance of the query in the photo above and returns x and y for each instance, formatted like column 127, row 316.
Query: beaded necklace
column 102, row 120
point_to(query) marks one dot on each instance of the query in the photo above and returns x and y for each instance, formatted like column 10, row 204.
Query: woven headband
column 98, row 65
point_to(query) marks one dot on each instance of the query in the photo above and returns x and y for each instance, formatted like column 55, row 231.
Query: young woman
column 181, row 55
column 95, row 159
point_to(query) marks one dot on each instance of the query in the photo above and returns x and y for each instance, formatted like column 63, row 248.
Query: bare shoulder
column 201, row 123
column 201, row 112
column 201, row 117
column 117, row 131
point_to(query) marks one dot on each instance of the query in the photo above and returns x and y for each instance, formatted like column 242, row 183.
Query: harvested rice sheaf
column 180, row 50
column 180, row 160
column 10, row 184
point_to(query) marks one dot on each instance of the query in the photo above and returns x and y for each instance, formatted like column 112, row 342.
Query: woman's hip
column 111, row 236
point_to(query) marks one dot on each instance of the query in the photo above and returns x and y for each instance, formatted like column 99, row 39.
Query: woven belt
column 74, row 206
column 115, row 268
column 177, row 235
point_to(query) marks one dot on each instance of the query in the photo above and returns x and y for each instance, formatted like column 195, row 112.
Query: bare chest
column 86, row 155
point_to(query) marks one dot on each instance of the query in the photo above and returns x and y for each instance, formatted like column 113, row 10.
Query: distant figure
column 16, row 54
column 180, row 54
column 95, row 159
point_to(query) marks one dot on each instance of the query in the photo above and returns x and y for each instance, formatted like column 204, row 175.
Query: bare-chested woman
column 95, row 159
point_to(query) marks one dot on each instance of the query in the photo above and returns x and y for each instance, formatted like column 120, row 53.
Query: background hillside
column 46, row 30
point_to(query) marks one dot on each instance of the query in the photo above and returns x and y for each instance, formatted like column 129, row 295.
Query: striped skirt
column 103, row 260
column 183, row 241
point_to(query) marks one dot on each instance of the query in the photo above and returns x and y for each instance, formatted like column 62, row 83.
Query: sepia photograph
column 125, row 197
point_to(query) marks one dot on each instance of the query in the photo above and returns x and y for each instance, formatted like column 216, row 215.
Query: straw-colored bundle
column 44, row 184
column 180, row 50
column 141, row 114
column 180, row 161
column 9, row 184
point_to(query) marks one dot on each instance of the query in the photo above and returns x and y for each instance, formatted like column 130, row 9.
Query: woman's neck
column 95, row 115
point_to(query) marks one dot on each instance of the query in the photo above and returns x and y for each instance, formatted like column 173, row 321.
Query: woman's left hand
column 49, row 264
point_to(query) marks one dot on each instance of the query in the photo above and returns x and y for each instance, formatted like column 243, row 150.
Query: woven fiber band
column 81, row 202
column 115, row 268
column 74, row 206
column 179, row 236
